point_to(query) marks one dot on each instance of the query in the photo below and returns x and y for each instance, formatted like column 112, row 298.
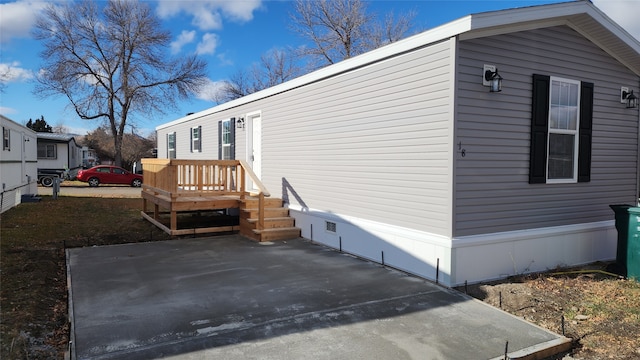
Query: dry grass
column 33, row 291
column 601, row 312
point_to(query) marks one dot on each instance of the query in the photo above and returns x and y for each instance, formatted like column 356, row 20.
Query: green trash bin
column 622, row 226
column 633, row 244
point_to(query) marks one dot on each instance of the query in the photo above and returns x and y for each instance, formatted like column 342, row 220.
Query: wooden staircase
column 278, row 225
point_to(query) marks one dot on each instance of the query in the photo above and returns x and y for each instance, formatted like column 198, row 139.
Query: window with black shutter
column 561, row 120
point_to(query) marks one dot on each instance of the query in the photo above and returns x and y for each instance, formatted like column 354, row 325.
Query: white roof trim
column 470, row 26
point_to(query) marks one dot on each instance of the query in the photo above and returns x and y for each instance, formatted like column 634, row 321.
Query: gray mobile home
column 404, row 156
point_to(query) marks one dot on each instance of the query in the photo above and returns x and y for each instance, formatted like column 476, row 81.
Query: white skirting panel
column 494, row 256
column 470, row 258
column 409, row 250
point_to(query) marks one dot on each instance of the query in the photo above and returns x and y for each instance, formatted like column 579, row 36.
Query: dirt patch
column 599, row 311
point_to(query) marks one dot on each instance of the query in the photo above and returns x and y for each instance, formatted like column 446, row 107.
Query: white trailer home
column 58, row 155
column 404, row 156
column 18, row 163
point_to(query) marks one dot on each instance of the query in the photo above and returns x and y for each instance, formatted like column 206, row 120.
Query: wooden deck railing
column 178, row 177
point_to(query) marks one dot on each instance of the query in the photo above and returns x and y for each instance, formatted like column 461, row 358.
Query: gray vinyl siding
column 491, row 181
column 371, row 143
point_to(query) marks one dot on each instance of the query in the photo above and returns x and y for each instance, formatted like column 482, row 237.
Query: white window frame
column 47, row 147
column 226, row 146
column 196, row 142
column 171, row 150
column 567, row 131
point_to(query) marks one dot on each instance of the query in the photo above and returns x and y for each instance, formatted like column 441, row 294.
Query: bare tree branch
column 341, row 29
column 112, row 62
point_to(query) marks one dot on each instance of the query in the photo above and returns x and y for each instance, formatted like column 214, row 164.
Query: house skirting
column 451, row 262
column 493, row 256
column 13, row 197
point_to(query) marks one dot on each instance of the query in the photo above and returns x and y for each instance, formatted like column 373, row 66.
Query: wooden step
column 252, row 202
column 270, row 223
column 275, row 234
column 268, row 213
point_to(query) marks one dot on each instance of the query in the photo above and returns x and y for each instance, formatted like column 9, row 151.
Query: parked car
column 107, row 174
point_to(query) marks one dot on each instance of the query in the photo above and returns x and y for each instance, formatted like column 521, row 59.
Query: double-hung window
column 561, row 130
column 47, row 151
column 6, row 138
column 226, row 139
column 171, row 145
column 196, row 139
column 564, row 111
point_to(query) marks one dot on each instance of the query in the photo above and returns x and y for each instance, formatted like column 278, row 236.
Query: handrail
column 254, row 178
column 263, row 191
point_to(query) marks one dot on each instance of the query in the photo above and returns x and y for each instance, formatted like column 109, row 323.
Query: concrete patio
column 226, row 297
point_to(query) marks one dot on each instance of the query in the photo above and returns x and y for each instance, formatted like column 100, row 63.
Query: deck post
column 261, row 211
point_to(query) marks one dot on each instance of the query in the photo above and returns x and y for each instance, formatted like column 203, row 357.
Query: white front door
column 255, row 150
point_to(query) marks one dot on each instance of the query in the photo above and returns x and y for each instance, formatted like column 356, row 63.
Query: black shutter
column 200, row 138
column 232, row 129
column 219, row 140
column 191, row 139
column 539, row 129
column 586, row 120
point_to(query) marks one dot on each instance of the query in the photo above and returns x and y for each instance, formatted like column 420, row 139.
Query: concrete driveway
column 229, row 298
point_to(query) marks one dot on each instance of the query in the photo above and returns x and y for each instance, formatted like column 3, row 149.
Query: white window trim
column 195, row 148
column 226, row 145
column 46, row 152
column 169, row 149
column 575, row 133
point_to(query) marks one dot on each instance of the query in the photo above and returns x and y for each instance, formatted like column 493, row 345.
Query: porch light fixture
column 629, row 98
column 240, row 123
column 492, row 79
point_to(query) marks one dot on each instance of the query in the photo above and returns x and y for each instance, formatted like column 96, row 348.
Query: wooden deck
column 175, row 186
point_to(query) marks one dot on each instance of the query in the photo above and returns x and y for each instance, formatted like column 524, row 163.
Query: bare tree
column 341, row 29
column 276, row 66
column 113, row 62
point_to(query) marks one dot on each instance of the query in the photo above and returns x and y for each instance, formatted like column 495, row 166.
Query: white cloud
column 16, row 18
column 210, row 90
column 209, row 14
column 7, row 110
column 12, row 72
column 208, row 44
column 184, row 38
column 624, row 12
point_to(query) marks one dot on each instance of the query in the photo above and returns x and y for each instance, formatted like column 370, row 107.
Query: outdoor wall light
column 491, row 78
column 629, row 98
column 240, row 123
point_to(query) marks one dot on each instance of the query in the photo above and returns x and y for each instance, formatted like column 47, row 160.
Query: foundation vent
column 330, row 226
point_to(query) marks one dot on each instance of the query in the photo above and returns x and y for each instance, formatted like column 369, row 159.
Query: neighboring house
column 18, row 165
column 59, row 154
column 403, row 156
column 89, row 157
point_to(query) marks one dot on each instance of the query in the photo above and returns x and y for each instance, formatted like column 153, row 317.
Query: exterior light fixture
column 491, row 78
column 629, row 98
column 240, row 123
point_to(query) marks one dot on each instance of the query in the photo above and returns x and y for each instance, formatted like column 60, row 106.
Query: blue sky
column 229, row 35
